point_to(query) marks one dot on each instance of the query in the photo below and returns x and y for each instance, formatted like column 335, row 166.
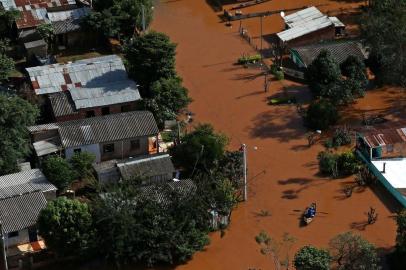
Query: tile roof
column 22, row 211
column 88, row 73
column 160, row 166
column 24, row 182
column 108, row 128
column 304, row 22
column 62, row 104
column 339, row 50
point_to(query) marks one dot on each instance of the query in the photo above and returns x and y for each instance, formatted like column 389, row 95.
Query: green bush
column 311, row 258
column 274, row 69
column 82, row 163
column 328, row 163
column 342, row 136
column 347, row 163
column 58, row 172
column 279, row 75
column 321, row 114
column 246, row 59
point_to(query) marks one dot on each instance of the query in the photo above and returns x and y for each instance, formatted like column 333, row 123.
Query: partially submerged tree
column 352, row 252
column 15, row 115
column 311, row 258
column 401, row 232
column 321, row 114
column 150, row 57
column 58, row 172
column 66, row 225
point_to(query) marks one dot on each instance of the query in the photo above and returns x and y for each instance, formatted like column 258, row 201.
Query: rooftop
column 24, row 182
column 385, row 134
column 304, row 22
column 22, row 211
column 339, row 50
column 395, row 171
column 89, row 73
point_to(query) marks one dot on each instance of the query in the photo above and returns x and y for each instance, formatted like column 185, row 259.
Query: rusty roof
column 385, row 134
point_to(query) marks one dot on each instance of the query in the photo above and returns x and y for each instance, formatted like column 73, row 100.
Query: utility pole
column 244, row 151
column 3, row 264
column 261, row 37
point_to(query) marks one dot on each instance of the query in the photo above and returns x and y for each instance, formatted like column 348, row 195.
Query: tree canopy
column 58, row 171
column 352, row 252
column 82, row 163
column 15, row 115
column 66, row 226
column 7, row 18
column 6, row 66
column 311, row 258
column 383, row 28
column 321, row 114
column 150, row 57
column 200, row 150
column 116, row 18
column 401, row 232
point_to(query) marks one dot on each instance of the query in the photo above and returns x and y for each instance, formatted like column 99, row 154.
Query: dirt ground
column 283, row 171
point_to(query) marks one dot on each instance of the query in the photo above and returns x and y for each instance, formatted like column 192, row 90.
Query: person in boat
column 310, row 211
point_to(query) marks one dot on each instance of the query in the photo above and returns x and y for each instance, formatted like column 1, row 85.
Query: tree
column 66, row 225
column 401, row 232
column 47, row 33
column 116, row 18
column 383, row 28
column 134, row 226
column 7, row 18
column 58, row 172
column 82, row 164
column 200, row 150
column 352, row 252
column 328, row 163
column 168, row 98
column 6, row 66
column 355, row 69
column 232, row 167
column 321, row 114
column 322, row 72
column 150, row 57
column 311, row 258
column 15, row 115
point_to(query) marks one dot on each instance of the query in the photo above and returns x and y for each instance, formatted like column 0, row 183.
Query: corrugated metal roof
column 382, row 135
column 302, row 17
column 34, row 44
column 21, row 212
column 48, row 146
column 62, row 104
column 72, row 14
column 89, row 73
column 108, row 94
column 8, row 4
column 24, row 182
column 160, row 165
column 337, row 22
column 339, row 50
column 44, row 127
column 107, row 128
column 304, row 29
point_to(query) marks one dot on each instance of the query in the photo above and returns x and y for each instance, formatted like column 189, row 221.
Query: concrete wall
column 20, row 239
column 122, row 149
column 116, row 108
column 92, row 148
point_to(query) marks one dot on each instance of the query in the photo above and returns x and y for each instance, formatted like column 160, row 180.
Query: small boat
column 309, row 214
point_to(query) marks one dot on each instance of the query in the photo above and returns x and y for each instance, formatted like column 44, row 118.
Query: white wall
column 92, row 148
column 22, row 238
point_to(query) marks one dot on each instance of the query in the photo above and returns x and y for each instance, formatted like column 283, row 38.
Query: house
column 153, row 169
column 114, row 136
column 309, row 26
column 64, row 15
column 383, row 149
column 22, row 196
column 303, row 56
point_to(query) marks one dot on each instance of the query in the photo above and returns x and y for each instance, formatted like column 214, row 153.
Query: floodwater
column 283, row 171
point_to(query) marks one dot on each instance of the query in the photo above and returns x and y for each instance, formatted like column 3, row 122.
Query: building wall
column 20, row 239
column 122, row 149
column 92, row 148
column 116, row 108
column 327, row 33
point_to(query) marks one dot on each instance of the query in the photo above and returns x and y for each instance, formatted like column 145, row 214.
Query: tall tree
column 352, row 252
column 150, row 58
column 311, row 258
column 58, row 171
column 7, row 18
column 383, row 28
column 6, row 66
column 169, row 97
column 66, row 225
column 200, row 150
column 321, row 114
column 15, row 115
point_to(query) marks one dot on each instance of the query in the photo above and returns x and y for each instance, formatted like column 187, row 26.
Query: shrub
column 321, row 114
column 279, row 75
column 82, row 163
column 365, row 177
column 342, row 136
column 247, row 59
column 58, row 172
column 328, row 163
column 347, row 163
column 311, row 258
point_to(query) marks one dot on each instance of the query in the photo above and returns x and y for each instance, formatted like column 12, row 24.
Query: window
column 105, row 110
column 90, row 114
column 108, row 148
column 77, row 150
column 135, row 145
column 12, row 234
column 125, row 108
